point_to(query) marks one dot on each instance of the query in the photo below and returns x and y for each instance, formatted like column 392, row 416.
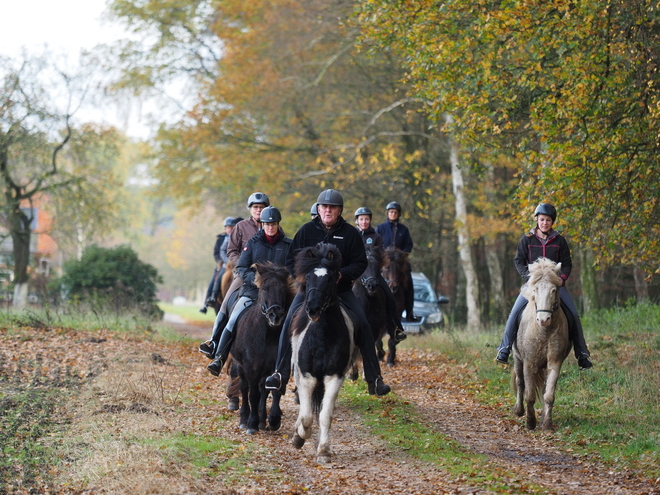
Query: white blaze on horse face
column 320, row 272
column 545, row 300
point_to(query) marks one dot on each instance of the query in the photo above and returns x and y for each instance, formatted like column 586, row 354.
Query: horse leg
column 332, row 386
column 263, row 399
column 255, row 399
column 305, row 419
column 380, row 351
column 391, row 347
column 549, row 394
column 530, row 394
column 275, row 415
column 353, row 374
column 245, row 403
column 519, row 387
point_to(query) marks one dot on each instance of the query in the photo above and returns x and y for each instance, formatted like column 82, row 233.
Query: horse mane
column 396, row 255
column 543, row 269
column 323, row 254
column 269, row 269
column 378, row 255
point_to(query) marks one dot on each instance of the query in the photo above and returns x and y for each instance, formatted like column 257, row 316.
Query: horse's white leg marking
column 332, row 385
column 305, row 413
column 549, row 394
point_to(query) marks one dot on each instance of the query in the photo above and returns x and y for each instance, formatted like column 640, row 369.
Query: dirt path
column 361, row 461
column 139, row 397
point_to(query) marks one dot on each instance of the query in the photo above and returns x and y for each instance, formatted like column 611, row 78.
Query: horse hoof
column 274, row 423
column 323, row 459
column 242, row 426
column 251, row 431
column 352, row 377
column 390, row 365
column 297, row 441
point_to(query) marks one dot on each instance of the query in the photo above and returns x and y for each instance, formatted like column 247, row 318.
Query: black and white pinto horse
column 255, row 348
column 373, row 299
column 323, row 344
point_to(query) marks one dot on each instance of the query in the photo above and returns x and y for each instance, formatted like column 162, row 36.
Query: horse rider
column 543, row 241
column 220, row 257
column 331, row 227
column 268, row 244
column 243, row 232
column 395, row 234
column 372, row 239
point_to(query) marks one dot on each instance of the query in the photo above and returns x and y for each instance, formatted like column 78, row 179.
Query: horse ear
column 558, row 268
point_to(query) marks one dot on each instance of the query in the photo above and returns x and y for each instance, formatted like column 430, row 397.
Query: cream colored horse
column 542, row 343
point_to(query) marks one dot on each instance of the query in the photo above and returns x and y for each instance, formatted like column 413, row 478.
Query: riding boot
column 575, row 330
column 511, row 330
column 221, row 355
column 209, row 347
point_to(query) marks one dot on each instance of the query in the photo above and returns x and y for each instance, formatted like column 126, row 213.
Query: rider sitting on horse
column 330, row 227
column 268, row 244
column 395, row 234
column 220, row 256
column 243, row 232
column 545, row 242
column 373, row 240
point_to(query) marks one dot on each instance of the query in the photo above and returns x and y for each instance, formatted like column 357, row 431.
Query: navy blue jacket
column 402, row 240
column 341, row 234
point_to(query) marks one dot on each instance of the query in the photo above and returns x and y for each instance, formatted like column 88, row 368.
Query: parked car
column 427, row 306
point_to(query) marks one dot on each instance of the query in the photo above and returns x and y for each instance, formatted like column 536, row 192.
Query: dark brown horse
column 542, row 343
column 373, row 299
column 395, row 272
column 255, row 349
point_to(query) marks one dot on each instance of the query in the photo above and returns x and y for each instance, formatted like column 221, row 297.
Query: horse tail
column 317, row 397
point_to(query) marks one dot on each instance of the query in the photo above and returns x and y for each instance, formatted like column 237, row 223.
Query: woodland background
column 468, row 113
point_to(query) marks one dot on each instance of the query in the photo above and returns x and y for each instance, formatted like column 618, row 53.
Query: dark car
column 427, row 306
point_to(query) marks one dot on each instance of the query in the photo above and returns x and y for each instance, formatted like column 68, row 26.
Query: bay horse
column 255, row 348
column 395, row 273
column 323, row 344
column 374, row 302
column 225, row 282
column 542, row 343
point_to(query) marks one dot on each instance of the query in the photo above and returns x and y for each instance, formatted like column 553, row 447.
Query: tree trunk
column 464, row 250
column 20, row 234
column 498, row 310
column 641, row 285
column 588, row 280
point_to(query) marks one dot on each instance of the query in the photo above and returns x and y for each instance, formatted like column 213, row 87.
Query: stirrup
column 400, row 335
column 274, row 381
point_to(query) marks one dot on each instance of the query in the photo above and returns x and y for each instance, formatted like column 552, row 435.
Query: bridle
column 551, row 311
column 326, row 300
column 266, row 311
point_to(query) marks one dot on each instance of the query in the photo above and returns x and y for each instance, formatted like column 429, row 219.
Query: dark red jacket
column 531, row 248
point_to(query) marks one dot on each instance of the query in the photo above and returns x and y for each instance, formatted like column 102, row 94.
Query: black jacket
column 372, row 239
column 258, row 250
column 397, row 235
column 344, row 236
column 531, row 248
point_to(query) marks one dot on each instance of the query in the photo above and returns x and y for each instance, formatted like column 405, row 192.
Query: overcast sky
column 65, row 27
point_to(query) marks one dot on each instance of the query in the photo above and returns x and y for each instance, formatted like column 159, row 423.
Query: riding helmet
column 330, row 197
column 313, row 210
column 362, row 210
column 393, row 205
column 229, row 222
column 258, row 197
column 546, row 209
column 270, row 214
column 237, row 220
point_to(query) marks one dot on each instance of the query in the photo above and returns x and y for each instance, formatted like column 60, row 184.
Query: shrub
column 114, row 276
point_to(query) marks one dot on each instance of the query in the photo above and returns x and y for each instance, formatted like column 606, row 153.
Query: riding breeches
column 235, row 285
column 241, row 305
column 364, row 339
column 575, row 326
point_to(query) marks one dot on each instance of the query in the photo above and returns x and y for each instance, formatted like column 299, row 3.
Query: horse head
column 369, row 278
column 394, row 269
column 275, row 291
column 317, row 271
column 543, row 289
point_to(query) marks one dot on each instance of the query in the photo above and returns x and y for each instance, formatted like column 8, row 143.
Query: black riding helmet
column 546, row 209
column 236, row 220
column 330, row 197
column 313, row 211
column 363, row 210
column 270, row 214
column 393, row 205
column 258, row 197
column 229, row 222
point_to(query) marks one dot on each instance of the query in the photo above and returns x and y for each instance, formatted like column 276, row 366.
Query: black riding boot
column 221, row 355
column 209, row 347
column 577, row 336
column 511, row 330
